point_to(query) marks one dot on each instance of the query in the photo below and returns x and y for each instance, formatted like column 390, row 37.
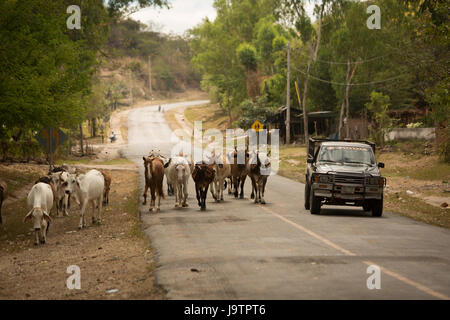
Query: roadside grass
column 417, row 209
column 15, row 180
column 132, row 208
column 292, row 163
column 211, row 115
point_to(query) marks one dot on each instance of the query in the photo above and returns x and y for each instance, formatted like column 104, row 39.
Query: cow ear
column 28, row 216
column 47, row 217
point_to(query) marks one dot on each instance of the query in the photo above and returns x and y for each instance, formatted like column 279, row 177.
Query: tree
column 382, row 123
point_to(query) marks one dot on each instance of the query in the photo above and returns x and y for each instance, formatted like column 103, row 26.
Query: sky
column 183, row 15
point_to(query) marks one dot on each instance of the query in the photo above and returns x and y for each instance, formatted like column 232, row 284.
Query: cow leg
column 177, row 195
column 43, row 232
column 235, row 186
column 230, row 186
column 197, row 192
column 185, row 191
column 100, row 207
column 263, row 188
column 82, row 222
column 145, row 194
column 65, row 205
column 252, row 196
column 94, row 206
column 1, row 202
column 221, row 186
column 152, row 204
column 242, row 188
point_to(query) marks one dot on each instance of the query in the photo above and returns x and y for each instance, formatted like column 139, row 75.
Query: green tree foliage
column 378, row 107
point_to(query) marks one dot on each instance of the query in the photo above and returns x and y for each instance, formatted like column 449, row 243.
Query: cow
column 203, row 175
column 222, row 172
column 170, row 191
column 40, row 201
column 258, row 169
column 238, row 170
column 87, row 188
column 59, row 180
column 3, row 194
column 107, row 177
column 178, row 173
column 154, row 177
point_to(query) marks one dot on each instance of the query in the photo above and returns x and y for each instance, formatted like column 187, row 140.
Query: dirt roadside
column 113, row 256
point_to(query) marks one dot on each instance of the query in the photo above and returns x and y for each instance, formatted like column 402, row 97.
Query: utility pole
column 150, row 77
column 288, row 96
column 131, row 86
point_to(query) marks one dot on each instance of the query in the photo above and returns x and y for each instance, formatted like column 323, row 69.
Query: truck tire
column 377, row 208
column 366, row 206
column 315, row 203
column 307, row 191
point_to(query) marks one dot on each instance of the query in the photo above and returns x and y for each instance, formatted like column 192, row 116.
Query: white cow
column 178, row 173
column 223, row 171
column 62, row 198
column 88, row 188
column 40, row 201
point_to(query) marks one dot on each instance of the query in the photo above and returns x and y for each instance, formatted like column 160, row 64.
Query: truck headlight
column 324, row 179
column 374, row 181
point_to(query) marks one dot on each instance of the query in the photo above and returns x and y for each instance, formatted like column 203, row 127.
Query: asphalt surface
column 239, row 250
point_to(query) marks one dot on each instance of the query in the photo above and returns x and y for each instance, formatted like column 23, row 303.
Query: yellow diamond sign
column 257, row 126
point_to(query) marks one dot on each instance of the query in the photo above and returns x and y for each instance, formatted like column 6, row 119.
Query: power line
column 350, row 84
column 352, row 62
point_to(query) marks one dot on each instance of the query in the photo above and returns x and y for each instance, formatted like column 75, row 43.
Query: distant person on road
column 112, row 137
column 159, row 108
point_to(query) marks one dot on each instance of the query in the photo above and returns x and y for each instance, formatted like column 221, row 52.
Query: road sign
column 50, row 139
column 257, row 126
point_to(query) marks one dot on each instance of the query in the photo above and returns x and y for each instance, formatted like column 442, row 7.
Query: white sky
column 183, row 15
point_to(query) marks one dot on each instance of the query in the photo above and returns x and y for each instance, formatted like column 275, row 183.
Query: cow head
column 38, row 215
column 72, row 184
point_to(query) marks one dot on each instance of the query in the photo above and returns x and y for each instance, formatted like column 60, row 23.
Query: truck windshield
column 346, row 154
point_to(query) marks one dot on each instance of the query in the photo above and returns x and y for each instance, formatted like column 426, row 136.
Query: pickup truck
column 343, row 172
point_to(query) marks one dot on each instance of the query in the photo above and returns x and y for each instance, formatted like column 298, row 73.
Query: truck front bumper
column 347, row 192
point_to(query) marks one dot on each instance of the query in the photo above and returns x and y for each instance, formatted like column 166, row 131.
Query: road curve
column 239, row 250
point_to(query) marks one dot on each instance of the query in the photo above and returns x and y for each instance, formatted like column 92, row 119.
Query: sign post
column 50, row 139
column 257, row 126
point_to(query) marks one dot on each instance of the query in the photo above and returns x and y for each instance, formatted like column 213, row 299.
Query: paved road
column 239, row 250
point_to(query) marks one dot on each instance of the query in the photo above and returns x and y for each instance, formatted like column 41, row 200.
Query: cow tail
column 48, row 227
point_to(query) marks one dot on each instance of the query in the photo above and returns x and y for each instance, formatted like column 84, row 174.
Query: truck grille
column 349, row 179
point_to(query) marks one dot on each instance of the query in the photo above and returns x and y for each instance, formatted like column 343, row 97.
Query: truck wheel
column 377, row 208
column 307, row 191
column 366, row 207
column 315, row 203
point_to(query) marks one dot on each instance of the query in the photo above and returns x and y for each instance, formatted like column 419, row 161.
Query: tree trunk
column 94, row 127
column 81, row 139
column 345, row 101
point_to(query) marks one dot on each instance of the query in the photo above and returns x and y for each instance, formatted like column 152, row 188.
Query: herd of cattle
column 59, row 186
column 92, row 188
column 213, row 174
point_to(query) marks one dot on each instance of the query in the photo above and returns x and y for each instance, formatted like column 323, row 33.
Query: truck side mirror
column 381, row 165
column 310, row 160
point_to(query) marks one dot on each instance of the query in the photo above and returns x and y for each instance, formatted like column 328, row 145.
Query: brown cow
column 203, row 175
column 154, row 176
column 238, row 171
column 3, row 193
column 107, row 177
